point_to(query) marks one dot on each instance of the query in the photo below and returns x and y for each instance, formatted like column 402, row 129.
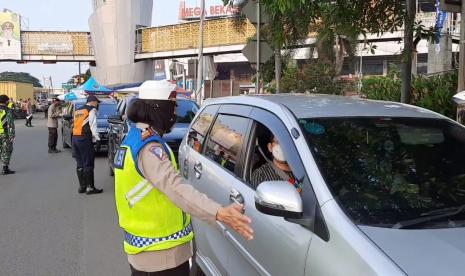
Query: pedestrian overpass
column 221, row 36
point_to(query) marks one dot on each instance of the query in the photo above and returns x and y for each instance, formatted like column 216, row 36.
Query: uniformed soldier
column 8, row 40
column 152, row 199
column 85, row 134
column 7, row 135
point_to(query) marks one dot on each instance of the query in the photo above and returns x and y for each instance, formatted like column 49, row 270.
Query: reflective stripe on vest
column 3, row 121
column 81, row 125
column 144, row 187
column 150, row 220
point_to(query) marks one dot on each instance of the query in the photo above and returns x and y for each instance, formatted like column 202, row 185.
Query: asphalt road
column 46, row 227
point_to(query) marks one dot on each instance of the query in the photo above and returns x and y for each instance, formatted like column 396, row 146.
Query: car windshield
column 385, row 170
column 186, row 111
column 106, row 110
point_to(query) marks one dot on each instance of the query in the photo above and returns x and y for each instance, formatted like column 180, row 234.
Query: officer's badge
column 120, row 156
column 158, row 152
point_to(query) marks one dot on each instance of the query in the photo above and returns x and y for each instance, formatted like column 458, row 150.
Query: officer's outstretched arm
column 157, row 168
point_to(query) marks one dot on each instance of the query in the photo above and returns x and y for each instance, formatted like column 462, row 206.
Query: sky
column 72, row 15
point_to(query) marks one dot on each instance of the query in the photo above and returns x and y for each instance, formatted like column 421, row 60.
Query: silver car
column 381, row 187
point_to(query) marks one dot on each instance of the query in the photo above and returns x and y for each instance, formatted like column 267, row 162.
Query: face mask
column 278, row 153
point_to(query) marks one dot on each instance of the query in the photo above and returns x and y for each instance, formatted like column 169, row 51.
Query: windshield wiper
column 428, row 218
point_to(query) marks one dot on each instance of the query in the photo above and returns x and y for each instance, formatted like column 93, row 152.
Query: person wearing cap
column 85, row 134
column 7, row 135
column 54, row 112
column 153, row 201
column 8, row 39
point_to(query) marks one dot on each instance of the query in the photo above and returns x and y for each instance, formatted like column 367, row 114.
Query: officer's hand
column 233, row 216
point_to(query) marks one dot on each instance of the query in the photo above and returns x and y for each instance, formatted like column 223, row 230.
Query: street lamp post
column 198, row 88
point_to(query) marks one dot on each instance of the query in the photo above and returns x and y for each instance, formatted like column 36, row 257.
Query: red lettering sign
column 197, row 11
column 190, row 12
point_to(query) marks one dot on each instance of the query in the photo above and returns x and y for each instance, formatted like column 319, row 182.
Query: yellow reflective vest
column 11, row 105
column 150, row 220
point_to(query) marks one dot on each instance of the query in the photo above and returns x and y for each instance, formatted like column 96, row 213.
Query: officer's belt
column 141, row 242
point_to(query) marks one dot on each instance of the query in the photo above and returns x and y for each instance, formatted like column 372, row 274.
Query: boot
column 82, row 184
column 7, row 170
column 91, row 190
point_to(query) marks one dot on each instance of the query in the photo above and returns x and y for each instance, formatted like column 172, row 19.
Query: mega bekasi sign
column 194, row 12
column 10, row 40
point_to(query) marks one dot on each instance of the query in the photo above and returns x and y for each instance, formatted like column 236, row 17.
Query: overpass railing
column 56, row 43
column 218, row 32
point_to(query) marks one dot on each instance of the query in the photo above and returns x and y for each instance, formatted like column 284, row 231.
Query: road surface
column 46, row 227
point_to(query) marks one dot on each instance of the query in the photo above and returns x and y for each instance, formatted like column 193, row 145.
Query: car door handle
column 236, row 197
column 198, row 169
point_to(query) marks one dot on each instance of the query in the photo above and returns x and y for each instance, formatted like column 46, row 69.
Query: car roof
column 329, row 106
column 102, row 101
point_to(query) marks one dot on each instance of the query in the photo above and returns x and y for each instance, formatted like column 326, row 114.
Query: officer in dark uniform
column 7, row 135
column 85, row 134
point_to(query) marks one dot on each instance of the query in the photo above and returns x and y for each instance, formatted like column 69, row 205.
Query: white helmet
column 156, row 90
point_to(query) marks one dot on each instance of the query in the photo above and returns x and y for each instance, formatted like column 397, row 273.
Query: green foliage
column 317, row 77
column 84, row 77
column 20, row 77
column 383, row 88
column 436, row 92
column 431, row 92
column 292, row 79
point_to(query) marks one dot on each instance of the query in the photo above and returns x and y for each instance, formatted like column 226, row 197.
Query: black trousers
column 84, row 153
column 52, row 137
column 29, row 119
column 182, row 270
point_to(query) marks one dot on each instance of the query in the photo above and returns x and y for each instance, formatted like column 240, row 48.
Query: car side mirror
column 67, row 117
column 278, row 198
column 116, row 119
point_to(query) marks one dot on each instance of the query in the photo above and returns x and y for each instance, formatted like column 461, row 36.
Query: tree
column 80, row 79
column 289, row 22
column 20, row 77
column 407, row 53
column 341, row 23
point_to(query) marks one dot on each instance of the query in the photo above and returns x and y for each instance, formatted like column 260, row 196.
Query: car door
column 212, row 174
column 279, row 247
column 67, row 124
column 191, row 162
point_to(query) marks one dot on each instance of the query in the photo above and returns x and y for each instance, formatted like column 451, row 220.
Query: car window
column 186, row 111
column 267, row 159
column 226, row 140
column 389, row 170
column 200, row 128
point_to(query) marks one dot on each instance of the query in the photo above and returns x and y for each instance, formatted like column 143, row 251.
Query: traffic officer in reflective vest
column 153, row 201
column 85, row 134
column 11, row 105
column 7, row 135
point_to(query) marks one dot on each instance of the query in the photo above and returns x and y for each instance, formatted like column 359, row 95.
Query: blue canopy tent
column 93, row 87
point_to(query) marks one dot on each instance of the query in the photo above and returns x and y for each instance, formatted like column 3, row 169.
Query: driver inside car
column 276, row 169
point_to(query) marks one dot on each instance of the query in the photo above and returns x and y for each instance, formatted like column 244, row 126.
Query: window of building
column 226, row 140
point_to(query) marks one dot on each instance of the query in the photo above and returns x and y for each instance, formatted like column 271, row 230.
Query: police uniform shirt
column 156, row 167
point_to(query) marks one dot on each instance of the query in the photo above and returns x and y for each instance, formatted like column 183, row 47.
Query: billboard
column 10, row 30
column 192, row 11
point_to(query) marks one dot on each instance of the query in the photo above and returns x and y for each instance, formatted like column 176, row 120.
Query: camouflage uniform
column 6, row 138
